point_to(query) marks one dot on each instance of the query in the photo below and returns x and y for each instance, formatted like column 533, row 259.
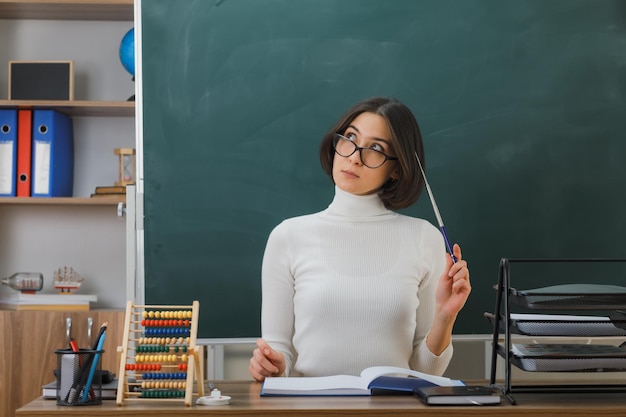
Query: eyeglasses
column 371, row 158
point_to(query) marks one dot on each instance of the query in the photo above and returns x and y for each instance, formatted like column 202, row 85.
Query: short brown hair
column 406, row 141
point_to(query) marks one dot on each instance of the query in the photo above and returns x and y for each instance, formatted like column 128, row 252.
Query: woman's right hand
column 266, row 361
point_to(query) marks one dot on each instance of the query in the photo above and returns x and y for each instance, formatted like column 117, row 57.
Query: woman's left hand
column 454, row 286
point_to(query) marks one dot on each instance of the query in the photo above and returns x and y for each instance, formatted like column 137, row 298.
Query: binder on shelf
column 53, row 154
column 24, row 147
column 8, row 151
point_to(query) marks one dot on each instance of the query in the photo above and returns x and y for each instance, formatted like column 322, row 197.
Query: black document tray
column 554, row 325
column 571, row 296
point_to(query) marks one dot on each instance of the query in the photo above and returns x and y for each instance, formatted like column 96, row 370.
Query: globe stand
column 132, row 98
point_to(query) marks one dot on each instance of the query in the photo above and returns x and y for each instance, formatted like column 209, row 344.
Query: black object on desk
column 458, row 395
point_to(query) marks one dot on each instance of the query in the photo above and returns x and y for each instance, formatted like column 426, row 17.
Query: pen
column 71, row 395
column 94, row 365
column 436, row 210
column 74, row 347
column 85, row 371
column 102, row 329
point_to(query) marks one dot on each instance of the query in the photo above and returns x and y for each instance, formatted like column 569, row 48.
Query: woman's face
column 367, row 130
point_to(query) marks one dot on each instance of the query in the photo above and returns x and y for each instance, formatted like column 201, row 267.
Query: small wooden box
column 41, row 80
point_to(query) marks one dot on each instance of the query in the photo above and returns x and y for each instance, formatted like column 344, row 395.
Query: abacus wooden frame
column 194, row 352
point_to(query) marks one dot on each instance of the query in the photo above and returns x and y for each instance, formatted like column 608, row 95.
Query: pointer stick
column 436, row 210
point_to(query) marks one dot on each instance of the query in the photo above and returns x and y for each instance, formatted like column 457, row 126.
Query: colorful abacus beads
column 152, row 349
column 178, row 314
column 159, row 358
column 158, row 351
column 163, row 394
column 167, row 331
column 164, row 375
column 152, row 367
column 165, row 341
column 143, row 367
column 163, row 384
column 165, row 323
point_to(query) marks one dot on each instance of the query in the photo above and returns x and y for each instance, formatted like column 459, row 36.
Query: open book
column 373, row 380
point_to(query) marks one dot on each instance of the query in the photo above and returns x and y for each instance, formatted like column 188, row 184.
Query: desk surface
column 245, row 401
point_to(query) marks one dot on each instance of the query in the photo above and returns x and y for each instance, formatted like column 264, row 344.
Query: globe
column 127, row 51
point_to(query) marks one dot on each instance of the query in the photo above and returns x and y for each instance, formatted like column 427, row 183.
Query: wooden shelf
column 64, row 201
column 118, row 10
column 34, row 336
column 78, row 107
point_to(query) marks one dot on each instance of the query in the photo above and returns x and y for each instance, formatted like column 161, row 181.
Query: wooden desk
column 247, row 402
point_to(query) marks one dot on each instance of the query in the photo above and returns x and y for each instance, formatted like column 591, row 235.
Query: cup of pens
column 79, row 377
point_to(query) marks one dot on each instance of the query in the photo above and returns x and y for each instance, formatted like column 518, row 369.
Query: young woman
column 359, row 285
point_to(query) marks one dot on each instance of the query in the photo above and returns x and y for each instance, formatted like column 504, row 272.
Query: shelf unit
column 85, row 228
column 68, row 9
column 77, row 107
column 610, row 300
column 64, row 201
column 89, row 10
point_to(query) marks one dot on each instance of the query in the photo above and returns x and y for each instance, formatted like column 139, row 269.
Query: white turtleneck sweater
column 350, row 287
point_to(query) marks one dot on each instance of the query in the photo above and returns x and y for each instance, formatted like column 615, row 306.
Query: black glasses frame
column 339, row 136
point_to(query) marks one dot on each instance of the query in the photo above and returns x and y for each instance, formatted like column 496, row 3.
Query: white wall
column 467, row 363
column 471, row 361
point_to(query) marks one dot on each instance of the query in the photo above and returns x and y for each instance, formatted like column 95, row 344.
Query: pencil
column 102, row 330
column 85, row 370
column 94, row 365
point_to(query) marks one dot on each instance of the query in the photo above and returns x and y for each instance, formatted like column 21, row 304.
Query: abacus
column 159, row 356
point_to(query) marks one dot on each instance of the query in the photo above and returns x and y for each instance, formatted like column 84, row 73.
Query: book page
column 373, row 372
column 314, row 383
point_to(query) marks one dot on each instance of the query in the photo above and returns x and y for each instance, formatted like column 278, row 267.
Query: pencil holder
column 79, row 377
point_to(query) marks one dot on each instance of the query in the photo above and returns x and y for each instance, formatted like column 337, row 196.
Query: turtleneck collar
column 350, row 205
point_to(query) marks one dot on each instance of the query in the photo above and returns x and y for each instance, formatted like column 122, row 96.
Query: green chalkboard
column 521, row 103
